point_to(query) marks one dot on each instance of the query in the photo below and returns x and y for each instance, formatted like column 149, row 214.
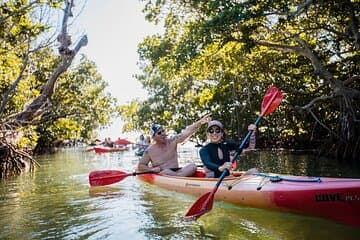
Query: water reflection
column 56, row 202
column 106, row 192
column 166, row 210
column 289, row 162
column 249, row 223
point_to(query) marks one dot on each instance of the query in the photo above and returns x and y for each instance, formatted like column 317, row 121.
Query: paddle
column 271, row 101
column 107, row 177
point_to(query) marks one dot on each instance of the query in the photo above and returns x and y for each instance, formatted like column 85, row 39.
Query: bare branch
column 314, row 102
column 306, row 52
column 322, row 124
column 35, row 108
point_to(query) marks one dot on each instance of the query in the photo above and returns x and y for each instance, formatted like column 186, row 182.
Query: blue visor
column 154, row 129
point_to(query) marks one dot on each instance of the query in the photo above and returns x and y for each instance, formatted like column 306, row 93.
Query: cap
column 154, row 128
column 215, row 123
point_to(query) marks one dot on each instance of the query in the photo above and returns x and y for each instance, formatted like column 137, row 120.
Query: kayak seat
column 237, row 173
column 199, row 173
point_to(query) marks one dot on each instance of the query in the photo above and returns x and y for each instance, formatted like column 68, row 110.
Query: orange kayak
column 336, row 199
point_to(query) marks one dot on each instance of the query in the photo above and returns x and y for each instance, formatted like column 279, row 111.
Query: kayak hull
column 108, row 149
column 336, row 199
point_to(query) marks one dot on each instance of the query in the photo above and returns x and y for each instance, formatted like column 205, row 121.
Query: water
column 56, row 202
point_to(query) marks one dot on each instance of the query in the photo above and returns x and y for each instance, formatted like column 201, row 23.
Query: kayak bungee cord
column 277, row 178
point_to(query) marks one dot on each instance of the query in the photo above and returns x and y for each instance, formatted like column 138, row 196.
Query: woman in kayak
column 216, row 154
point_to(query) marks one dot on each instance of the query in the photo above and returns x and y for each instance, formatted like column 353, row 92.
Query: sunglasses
column 160, row 132
column 216, row 130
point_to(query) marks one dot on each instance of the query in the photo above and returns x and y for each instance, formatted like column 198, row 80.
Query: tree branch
column 35, row 108
column 314, row 102
column 322, row 124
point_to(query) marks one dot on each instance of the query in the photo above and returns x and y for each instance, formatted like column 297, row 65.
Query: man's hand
column 205, row 119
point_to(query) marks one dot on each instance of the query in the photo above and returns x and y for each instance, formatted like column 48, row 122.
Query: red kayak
column 122, row 141
column 109, row 149
column 336, row 199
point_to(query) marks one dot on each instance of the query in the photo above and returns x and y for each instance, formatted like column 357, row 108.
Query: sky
column 114, row 29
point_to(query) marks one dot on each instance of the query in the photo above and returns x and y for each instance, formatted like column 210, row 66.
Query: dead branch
column 67, row 55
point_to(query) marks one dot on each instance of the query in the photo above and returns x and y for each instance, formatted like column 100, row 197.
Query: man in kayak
column 162, row 154
column 216, row 154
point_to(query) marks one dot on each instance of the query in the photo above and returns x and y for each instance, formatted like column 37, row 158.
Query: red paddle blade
column 106, row 177
column 272, row 99
column 234, row 165
column 201, row 206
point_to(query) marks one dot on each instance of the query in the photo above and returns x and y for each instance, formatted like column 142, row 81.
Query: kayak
column 109, row 149
column 336, row 199
column 122, row 141
column 89, row 149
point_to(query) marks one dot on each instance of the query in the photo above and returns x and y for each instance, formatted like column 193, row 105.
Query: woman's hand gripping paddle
column 271, row 101
column 107, row 177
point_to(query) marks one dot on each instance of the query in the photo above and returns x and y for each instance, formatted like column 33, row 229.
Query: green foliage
column 80, row 104
column 221, row 56
column 29, row 138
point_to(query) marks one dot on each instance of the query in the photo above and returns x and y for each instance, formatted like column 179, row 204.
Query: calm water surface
column 56, row 202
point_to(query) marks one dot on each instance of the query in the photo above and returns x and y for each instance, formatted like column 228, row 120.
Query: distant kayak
column 122, row 141
column 109, row 149
column 89, row 149
column 336, row 199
